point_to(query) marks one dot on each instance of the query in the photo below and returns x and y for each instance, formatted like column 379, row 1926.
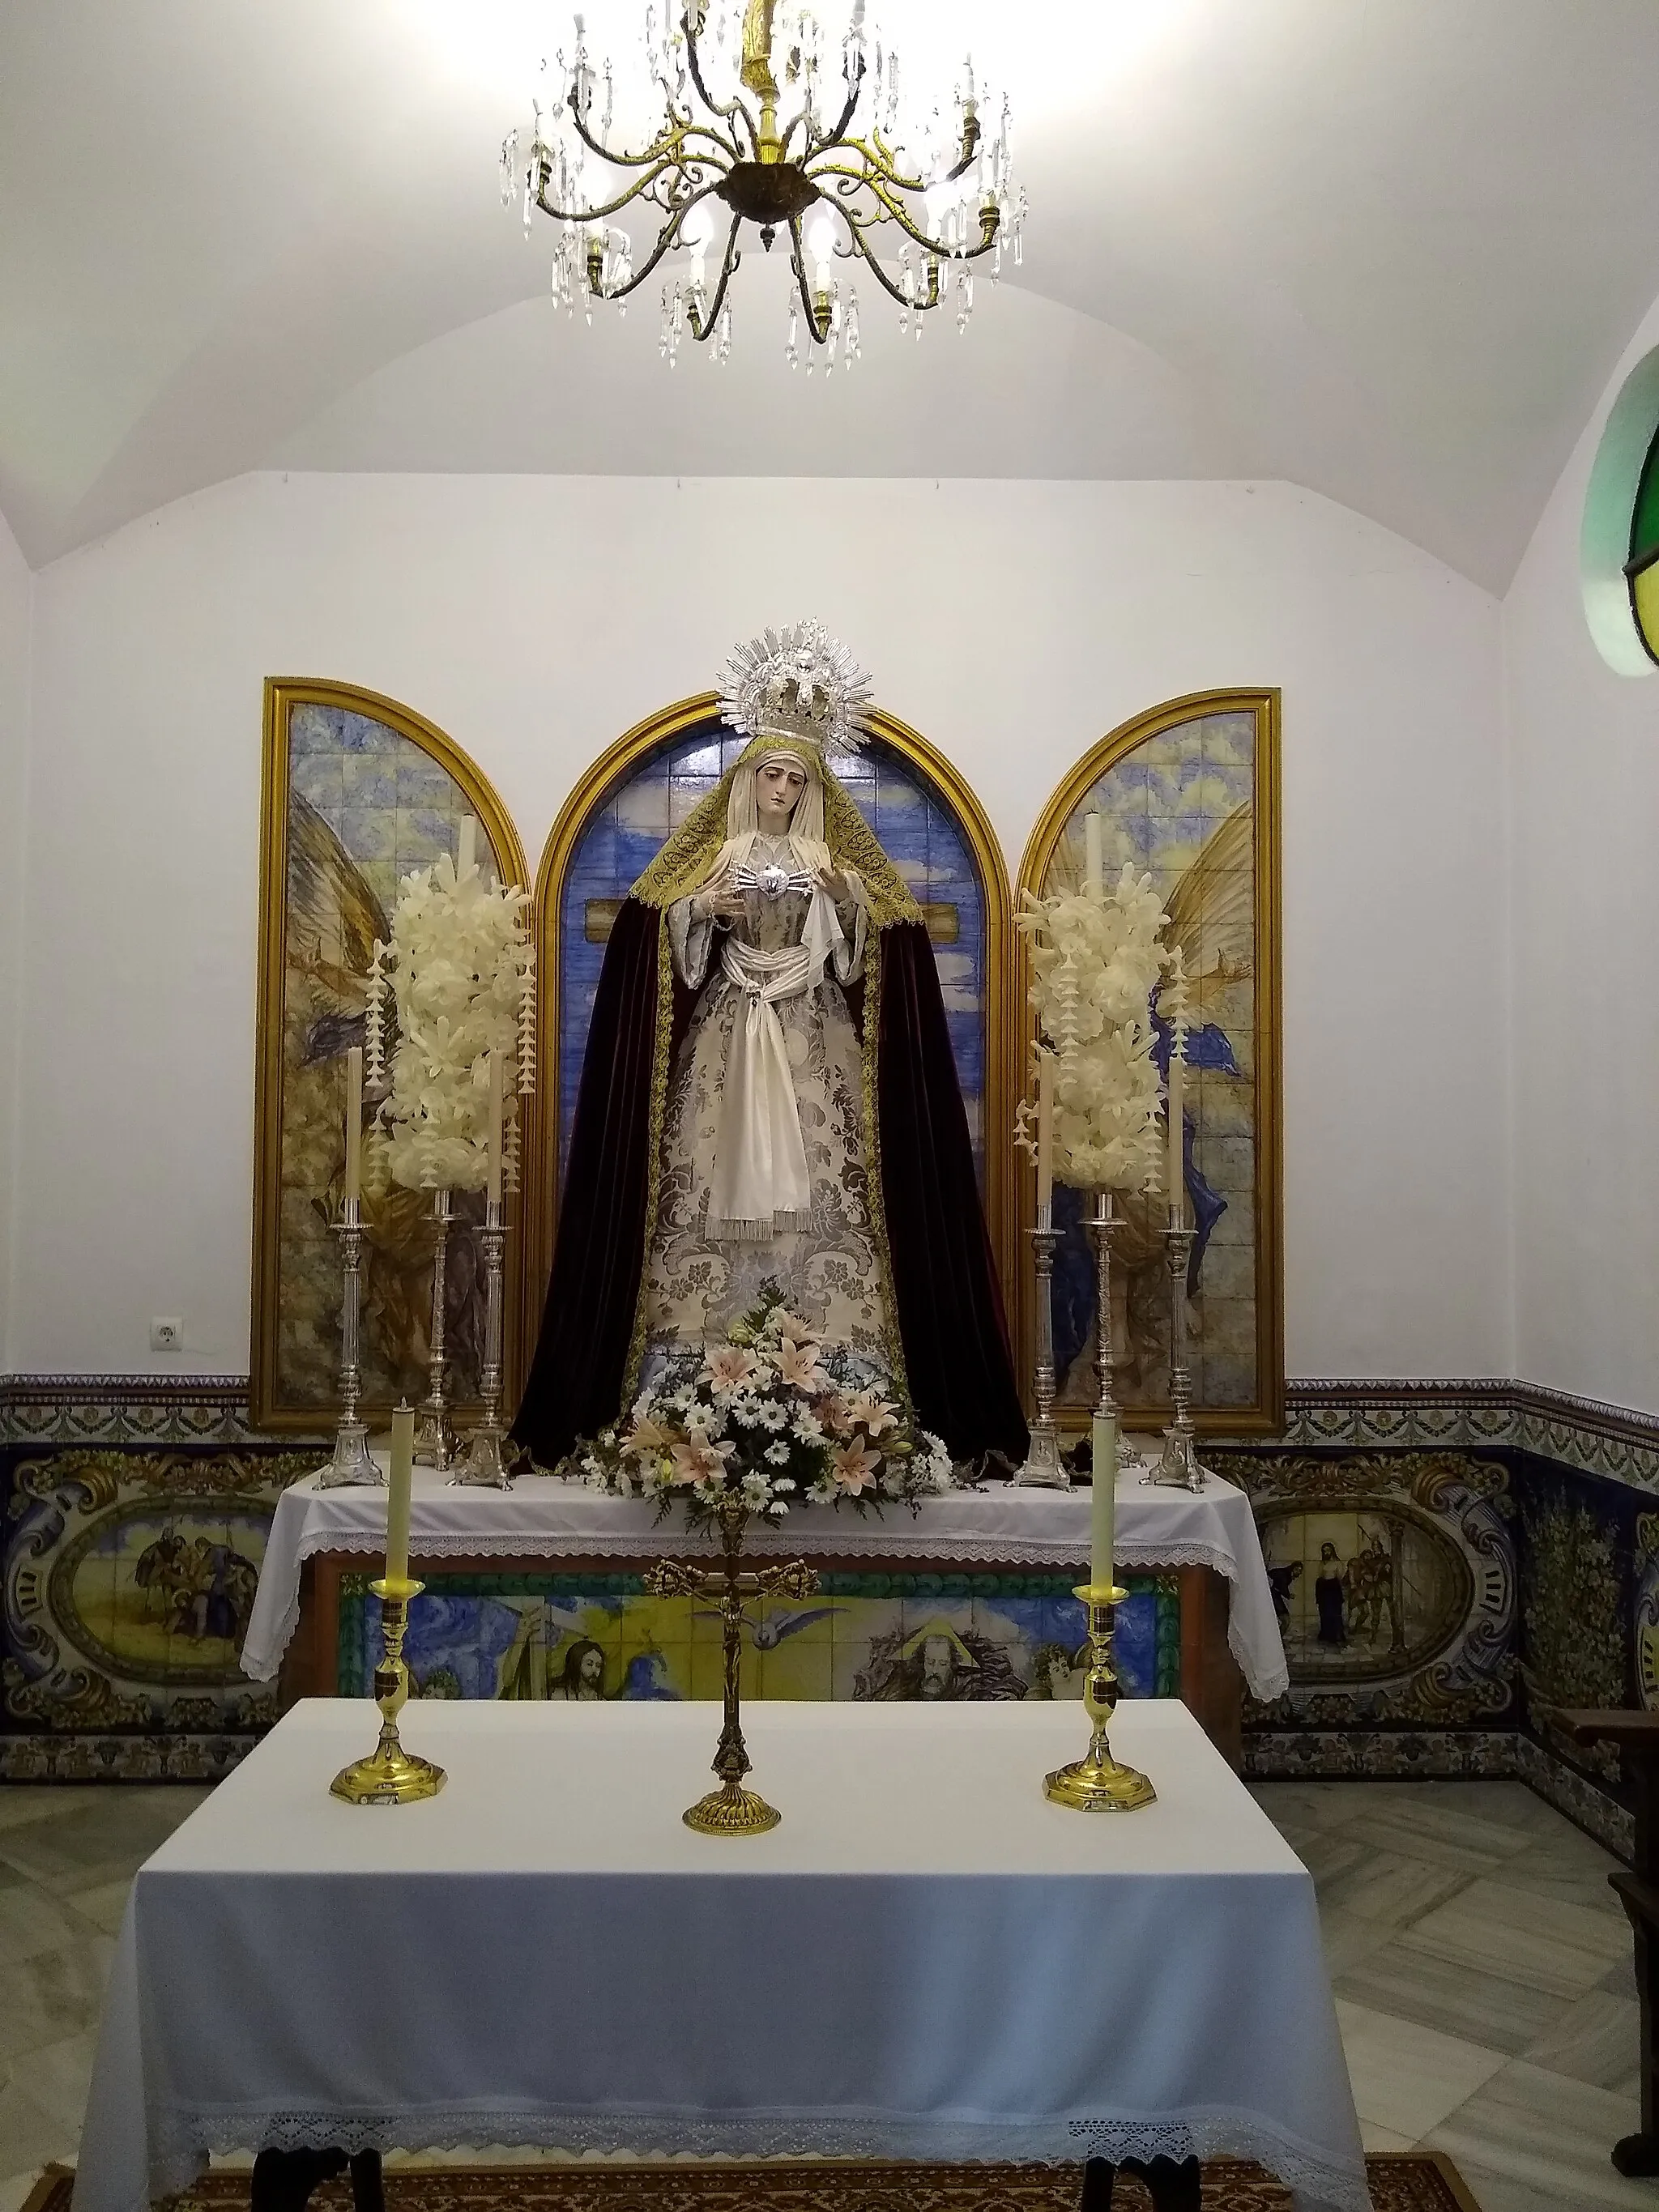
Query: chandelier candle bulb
column 397, row 1496
column 1102, row 1502
column 354, row 1124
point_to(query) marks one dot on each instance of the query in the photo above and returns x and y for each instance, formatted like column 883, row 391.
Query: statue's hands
column 718, row 900
column 836, row 884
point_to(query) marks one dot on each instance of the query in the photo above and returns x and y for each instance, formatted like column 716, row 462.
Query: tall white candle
column 353, row 1118
column 1096, row 869
column 469, row 843
column 1102, row 1503
column 1178, row 1165
column 494, row 1192
column 1045, row 1159
column 396, row 1496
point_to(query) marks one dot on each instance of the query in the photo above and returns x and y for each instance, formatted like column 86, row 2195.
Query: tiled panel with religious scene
column 129, row 1579
column 917, row 830
column 1181, row 806
column 972, row 1637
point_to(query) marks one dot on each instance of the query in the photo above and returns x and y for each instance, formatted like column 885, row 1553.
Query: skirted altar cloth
column 543, row 1516
column 927, row 1959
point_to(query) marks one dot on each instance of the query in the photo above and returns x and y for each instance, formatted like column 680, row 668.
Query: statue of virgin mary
column 768, row 1098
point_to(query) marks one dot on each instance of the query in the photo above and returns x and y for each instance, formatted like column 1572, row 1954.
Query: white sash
column 761, row 1184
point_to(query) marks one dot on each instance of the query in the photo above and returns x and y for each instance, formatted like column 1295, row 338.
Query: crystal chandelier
column 850, row 171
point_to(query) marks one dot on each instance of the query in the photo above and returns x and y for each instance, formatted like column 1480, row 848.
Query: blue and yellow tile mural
column 917, row 830
column 866, row 1637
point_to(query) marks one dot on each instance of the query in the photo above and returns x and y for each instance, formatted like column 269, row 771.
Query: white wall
column 534, row 618
column 15, row 588
column 1584, row 776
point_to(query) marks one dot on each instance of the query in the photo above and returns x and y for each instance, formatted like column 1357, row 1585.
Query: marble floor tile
column 1407, row 2078
column 1548, row 2133
column 53, row 1995
column 1320, row 1804
column 1382, row 1886
column 1598, row 2040
column 1376, row 2140
column 1519, row 1936
column 1499, row 2192
column 1620, row 1980
column 1347, row 1939
column 104, row 1906
column 1575, row 1875
column 29, row 2136
column 1459, row 2000
column 23, row 1802
column 1444, row 1834
column 33, row 1920
column 95, row 1842
column 57, row 2076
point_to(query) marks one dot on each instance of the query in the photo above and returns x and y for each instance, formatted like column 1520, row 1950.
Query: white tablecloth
column 543, row 1516
column 926, row 1959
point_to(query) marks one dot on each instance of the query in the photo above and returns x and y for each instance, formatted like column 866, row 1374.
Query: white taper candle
column 1176, row 1164
column 353, row 1122
column 1102, row 1503
column 469, row 843
column 496, row 1110
column 1045, row 1158
column 397, row 1493
column 1096, row 869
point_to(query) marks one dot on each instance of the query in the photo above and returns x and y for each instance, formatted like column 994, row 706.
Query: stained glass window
column 1641, row 570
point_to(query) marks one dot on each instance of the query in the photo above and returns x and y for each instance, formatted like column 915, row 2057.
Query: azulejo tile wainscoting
column 1453, row 1562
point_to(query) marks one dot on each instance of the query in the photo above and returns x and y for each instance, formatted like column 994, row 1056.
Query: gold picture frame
column 1262, row 1413
column 280, row 1399
column 593, row 790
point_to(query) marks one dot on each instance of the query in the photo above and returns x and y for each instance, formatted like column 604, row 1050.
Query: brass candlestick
column 731, row 1810
column 390, row 1775
column 1044, row 1468
column 1178, row 1467
column 435, row 1436
column 1096, row 1782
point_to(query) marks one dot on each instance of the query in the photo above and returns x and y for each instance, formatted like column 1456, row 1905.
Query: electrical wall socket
column 167, row 1335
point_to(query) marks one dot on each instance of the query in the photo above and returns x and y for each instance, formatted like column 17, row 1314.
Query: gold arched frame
column 596, row 787
column 1266, row 1416
column 283, row 695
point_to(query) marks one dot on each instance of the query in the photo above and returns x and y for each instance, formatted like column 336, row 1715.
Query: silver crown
column 797, row 683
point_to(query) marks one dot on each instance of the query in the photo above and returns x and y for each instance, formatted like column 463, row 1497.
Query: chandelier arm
column 823, row 145
column 729, row 262
column 798, row 264
column 884, row 157
column 876, row 269
column 638, row 189
column 896, row 211
column 733, row 106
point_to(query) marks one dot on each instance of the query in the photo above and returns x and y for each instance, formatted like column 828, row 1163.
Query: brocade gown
column 702, row 1272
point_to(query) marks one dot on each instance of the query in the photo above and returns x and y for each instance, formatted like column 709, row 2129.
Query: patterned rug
column 1415, row 2181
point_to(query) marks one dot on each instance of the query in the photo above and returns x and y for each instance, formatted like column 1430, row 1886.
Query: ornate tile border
column 130, row 1409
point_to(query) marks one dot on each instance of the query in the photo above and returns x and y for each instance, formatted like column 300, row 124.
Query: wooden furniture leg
column 1637, row 1734
column 1173, row 2184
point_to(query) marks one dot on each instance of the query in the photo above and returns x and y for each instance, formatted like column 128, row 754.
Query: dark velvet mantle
column 949, row 1307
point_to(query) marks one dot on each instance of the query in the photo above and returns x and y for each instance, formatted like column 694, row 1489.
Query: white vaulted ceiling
column 1386, row 249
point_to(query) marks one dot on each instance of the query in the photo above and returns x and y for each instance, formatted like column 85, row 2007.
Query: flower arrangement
column 775, row 1415
column 1098, row 956
column 461, row 971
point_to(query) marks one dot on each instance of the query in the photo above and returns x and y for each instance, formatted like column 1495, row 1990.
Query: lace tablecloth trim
column 654, row 1544
column 1319, row 2181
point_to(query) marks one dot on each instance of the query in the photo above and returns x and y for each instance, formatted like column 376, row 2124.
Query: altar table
column 1229, row 1624
column 926, row 1959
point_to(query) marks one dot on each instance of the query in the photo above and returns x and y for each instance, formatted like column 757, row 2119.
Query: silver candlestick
column 351, row 1463
column 1103, row 1228
column 435, row 1438
column 1044, row 1468
column 1178, row 1467
column 481, row 1462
